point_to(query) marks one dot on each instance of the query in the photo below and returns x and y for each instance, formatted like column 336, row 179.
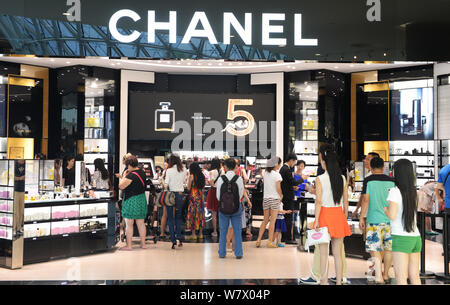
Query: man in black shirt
column 288, row 185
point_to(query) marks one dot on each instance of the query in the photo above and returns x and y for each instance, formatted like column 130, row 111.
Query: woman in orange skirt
column 331, row 208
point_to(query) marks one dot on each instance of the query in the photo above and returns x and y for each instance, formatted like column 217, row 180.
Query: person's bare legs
column 413, row 269
column 324, row 264
column 378, row 258
column 214, row 221
column 336, row 244
column 401, row 262
column 273, row 219
column 263, row 226
column 140, row 223
column 230, row 238
column 164, row 222
column 129, row 233
column 387, row 264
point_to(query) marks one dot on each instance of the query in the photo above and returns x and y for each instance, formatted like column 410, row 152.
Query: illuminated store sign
column 200, row 20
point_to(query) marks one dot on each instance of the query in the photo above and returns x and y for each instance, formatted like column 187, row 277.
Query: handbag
column 314, row 237
column 165, row 198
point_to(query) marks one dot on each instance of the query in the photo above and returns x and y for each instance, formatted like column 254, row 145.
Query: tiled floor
column 195, row 261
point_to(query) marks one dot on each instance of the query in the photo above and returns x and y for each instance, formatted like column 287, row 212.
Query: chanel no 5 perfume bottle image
column 165, row 118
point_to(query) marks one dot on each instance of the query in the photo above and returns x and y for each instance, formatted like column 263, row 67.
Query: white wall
column 278, row 80
column 126, row 77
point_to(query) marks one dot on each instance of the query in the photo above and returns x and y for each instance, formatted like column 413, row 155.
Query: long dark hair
column 100, row 166
column 334, row 171
column 199, row 178
column 175, row 160
column 405, row 181
column 215, row 164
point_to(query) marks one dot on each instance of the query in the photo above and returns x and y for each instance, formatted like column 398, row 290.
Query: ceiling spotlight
column 67, row 62
column 355, row 57
column 317, row 54
column 384, row 54
column 336, row 67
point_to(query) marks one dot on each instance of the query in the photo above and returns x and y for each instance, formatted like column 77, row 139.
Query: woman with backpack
column 195, row 220
column 272, row 200
column 134, row 206
column 212, row 204
column 402, row 210
column 174, row 182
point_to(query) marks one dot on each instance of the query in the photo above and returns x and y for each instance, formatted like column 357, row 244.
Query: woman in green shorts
column 402, row 210
column 134, row 205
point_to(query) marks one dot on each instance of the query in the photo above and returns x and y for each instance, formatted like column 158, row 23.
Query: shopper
column 366, row 162
column 212, row 203
column 120, row 202
column 100, row 180
column 135, row 204
column 444, row 181
column 273, row 196
column 69, row 173
column 164, row 209
column 195, row 220
column 174, row 182
column 241, row 173
column 316, row 272
column 402, row 210
column 377, row 225
column 330, row 211
column 280, row 227
column 288, row 185
column 301, row 204
column 236, row 218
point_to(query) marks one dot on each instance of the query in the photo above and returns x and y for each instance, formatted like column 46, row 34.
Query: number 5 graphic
column 233, row 114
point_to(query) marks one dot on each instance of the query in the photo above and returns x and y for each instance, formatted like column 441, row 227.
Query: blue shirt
column 302, row 186
column 441, row 179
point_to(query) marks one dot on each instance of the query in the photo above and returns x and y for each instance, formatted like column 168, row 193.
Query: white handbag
column 314, row 237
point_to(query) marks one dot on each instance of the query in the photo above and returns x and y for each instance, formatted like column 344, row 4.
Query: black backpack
column 229, row 196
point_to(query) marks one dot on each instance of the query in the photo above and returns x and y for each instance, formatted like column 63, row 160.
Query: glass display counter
column 51, row 222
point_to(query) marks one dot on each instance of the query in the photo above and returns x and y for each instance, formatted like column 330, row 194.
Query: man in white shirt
column 236, row 219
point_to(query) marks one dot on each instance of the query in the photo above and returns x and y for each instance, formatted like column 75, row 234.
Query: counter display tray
column 64, row 219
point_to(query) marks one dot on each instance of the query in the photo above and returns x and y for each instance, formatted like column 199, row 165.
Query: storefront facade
column 103, row 78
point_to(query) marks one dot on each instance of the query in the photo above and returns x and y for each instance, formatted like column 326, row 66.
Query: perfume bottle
column 165, row 118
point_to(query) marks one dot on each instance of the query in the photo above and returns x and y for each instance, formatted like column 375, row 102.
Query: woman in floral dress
column 195, row 220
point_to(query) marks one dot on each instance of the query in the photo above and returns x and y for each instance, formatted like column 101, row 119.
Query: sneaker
column 238, row 257
column 333, row 279
column 214, row 234
column 345, row 281
column 291, row 242
column 309, row 281
column 280, row 245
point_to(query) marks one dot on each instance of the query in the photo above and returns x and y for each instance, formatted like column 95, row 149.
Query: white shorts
column 271, row 204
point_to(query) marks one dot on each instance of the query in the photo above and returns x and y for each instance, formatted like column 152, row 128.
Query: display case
column 98, row 123
column 421, row 153
column 50, row 222
column 6, row 199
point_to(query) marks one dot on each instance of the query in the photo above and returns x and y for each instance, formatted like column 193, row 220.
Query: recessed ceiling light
column 67, row 62
column 317, row 54
column 220, row 64
column 384, row 54
column 189, row 64
column 336, row 67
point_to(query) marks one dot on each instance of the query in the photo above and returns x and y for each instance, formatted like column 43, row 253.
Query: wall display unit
column 421, row 153
column 98, row 123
